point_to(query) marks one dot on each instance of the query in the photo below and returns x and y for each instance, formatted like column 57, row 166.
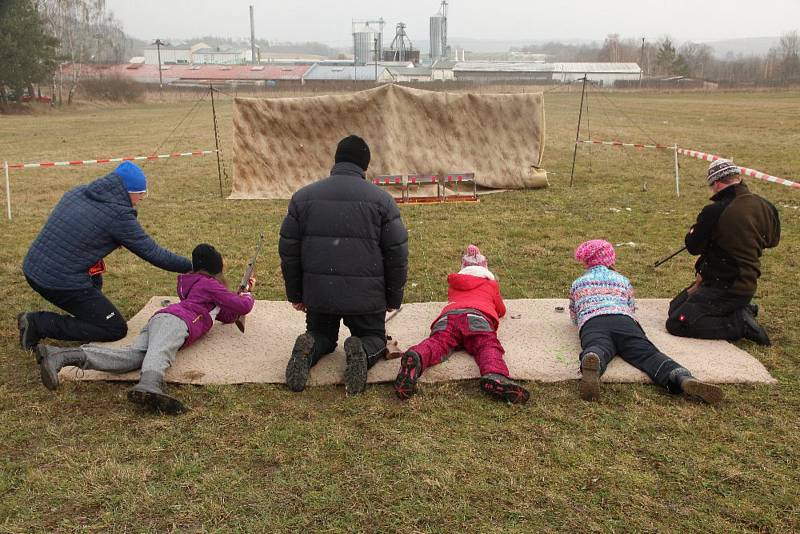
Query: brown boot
column 590, row 377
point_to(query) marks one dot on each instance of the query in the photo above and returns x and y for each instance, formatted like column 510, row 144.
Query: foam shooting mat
column 540, row 341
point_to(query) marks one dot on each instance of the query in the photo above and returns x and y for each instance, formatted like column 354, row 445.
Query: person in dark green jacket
column 729, row 236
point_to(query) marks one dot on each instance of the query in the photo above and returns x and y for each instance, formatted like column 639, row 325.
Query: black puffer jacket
column 87, row 224
column 343, row 246
column 730, row 235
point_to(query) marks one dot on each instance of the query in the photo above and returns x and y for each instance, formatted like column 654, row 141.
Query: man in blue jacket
column 65, row 262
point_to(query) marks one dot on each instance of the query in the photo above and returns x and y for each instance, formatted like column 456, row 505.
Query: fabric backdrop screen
column 282, row 144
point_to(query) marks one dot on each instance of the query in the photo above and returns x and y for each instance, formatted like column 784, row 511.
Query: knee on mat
column 676, row 325
column 115, row 331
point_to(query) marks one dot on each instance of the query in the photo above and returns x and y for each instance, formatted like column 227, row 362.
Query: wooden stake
column 578, row 134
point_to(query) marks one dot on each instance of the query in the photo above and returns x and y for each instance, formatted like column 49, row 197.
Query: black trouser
column 609, row 335
column 94, row 317
column 370, row 328
column 709, row 313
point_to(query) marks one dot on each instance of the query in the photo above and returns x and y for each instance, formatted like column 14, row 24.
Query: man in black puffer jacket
column 344, row 256
column 729, row 236
column 65, row 262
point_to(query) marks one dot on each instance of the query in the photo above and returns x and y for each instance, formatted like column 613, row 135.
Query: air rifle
column 248, row 274
column 665, row 260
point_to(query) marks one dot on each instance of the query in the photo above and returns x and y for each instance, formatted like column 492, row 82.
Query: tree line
column 38, row 35
column 695, row 60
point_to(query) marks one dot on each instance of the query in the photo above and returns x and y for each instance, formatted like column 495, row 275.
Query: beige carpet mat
column 282, row 144
column 541, row 344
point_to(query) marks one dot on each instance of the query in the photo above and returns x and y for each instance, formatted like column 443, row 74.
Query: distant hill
column 751, row 46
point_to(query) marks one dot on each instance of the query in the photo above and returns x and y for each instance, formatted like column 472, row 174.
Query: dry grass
column 260, row 458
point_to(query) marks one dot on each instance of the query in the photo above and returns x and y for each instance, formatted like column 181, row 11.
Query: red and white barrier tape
column 108, row 160
column 696, row 154
column 752, row 173
column 620, row 143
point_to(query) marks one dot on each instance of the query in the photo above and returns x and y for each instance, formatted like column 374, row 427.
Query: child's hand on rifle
column 251, row 283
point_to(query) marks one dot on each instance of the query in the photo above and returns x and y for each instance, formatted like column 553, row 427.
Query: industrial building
column 170, row 54
column 438, row 34
column 220, row 56
column 401, row 48
column 367, row 41
column 360, row 73
column 604, row 74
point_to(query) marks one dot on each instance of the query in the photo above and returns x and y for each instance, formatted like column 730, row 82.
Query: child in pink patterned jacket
column 601, row 304
column 204, row 298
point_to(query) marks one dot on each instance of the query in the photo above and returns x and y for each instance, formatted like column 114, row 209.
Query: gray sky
column 329, row 21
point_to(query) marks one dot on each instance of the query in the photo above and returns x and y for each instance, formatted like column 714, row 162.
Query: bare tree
column 790, row 52
column 87, row 33
column 696, row 57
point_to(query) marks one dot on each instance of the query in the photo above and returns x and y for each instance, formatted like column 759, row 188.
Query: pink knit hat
column 596, row 252
column 474, row 257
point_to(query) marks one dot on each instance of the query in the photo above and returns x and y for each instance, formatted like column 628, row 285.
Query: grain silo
column 438, row 35
column 367, row 39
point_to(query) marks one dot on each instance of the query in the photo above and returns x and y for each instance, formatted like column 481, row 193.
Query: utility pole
column 376, row 60
column 578, row 134
column 641, row 59
column 159, row 44
column 252, row 38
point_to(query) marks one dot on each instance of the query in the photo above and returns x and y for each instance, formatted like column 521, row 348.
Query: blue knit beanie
column 132, row 176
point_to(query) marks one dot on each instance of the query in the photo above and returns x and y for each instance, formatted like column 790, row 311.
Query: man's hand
column 390, row 310
column 299, row 306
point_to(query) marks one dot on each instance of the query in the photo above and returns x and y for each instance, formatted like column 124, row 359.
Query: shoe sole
column 708, row 393
column 405, row 385
column 590, row 378
column 513, row 393
column 157, row 402
column 355, row 373
column 23, row 326
column 299, row 367
column 50, row 380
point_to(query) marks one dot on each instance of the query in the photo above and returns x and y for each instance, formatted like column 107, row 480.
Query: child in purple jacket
column 204, row 297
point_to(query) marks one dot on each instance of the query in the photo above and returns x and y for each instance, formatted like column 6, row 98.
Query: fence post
column 8, row 190
column 677, row 173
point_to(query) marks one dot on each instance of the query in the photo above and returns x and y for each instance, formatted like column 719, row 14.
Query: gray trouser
column 153, row 350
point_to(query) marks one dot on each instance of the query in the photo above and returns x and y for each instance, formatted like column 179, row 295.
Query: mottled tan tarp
column 282, row 144
column 541, row 344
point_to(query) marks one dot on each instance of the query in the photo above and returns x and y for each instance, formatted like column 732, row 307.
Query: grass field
column 259, row 458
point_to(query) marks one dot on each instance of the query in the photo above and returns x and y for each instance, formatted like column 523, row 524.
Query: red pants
column 469, row 330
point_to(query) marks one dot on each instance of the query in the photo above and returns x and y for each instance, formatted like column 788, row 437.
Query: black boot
column 28, row 337
column 503, row 388
column 299, row 366
column 52, row 359
column 149, row 394
column 590, row 377
column 754, row 331
column 708, row 393
column 405, row 385
column 355, row 374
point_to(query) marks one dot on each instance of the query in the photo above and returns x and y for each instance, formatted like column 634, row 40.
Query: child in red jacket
column 470, row 320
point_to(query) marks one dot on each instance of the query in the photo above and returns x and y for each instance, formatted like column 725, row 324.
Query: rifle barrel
column 665, row 260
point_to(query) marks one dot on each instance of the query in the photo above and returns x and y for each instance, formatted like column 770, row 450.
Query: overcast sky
column 329, row 21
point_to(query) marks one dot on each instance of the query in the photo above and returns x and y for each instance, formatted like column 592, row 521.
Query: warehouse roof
column 529, row 66
column 342, row 72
